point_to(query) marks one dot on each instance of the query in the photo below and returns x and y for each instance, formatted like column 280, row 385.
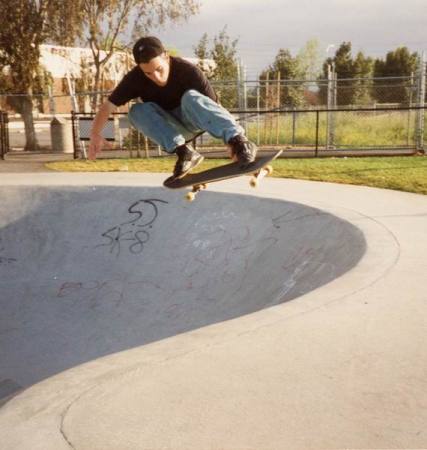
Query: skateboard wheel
column 269, row 170
column 204, row 186
column 190, row 196
column 254, row 182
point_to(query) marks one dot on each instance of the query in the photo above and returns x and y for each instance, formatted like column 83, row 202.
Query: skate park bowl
column 87, row 272
column 290, row 316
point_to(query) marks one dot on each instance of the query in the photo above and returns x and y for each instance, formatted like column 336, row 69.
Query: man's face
column 157, row 69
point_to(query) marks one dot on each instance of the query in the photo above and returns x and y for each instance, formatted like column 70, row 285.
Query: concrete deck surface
column 289, row 317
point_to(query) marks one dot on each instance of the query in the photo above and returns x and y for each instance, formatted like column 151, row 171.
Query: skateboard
column 198, row 181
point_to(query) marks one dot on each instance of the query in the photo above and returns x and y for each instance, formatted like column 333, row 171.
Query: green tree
column 346, row 70
column 201, row 50
column 363, row 71
column 309, row 60
column 224, row 53
column 284, row 68
column 397, row 63
column 26, row 24
column 225, row 75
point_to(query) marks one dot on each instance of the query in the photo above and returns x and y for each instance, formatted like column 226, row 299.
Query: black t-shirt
column 182, row 77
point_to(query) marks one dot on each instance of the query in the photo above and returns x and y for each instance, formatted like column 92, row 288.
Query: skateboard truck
column 258, row 176
column 190, row 196
column 254, row 182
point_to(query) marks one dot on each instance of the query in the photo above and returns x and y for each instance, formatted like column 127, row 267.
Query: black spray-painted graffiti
column 133, row 233
column 3, row 260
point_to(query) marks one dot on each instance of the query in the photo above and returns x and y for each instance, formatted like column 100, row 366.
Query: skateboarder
column 178, row 103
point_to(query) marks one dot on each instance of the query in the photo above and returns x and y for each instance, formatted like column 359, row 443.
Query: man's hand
column 97, row 142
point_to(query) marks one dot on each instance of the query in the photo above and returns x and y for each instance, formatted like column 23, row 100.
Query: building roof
column 67, row 61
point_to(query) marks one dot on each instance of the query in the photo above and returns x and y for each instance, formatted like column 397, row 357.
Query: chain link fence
column 353, row 114
column 263, row 94
column 326, row 93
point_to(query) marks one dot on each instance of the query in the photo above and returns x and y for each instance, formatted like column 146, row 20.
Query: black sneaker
column 188, row 159
column 243, row 150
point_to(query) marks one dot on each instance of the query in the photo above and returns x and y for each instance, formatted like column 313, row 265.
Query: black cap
column 146, row 49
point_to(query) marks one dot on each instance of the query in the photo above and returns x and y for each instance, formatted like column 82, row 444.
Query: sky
column 262, row 27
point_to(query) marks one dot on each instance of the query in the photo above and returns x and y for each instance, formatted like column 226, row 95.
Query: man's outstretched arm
column 101, row 118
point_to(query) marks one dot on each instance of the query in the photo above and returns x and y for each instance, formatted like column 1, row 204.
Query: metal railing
column 300, row 132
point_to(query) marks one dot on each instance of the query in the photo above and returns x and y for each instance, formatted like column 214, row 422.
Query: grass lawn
column 401, row 173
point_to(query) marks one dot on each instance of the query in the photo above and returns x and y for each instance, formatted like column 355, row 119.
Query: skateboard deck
column 198, row 181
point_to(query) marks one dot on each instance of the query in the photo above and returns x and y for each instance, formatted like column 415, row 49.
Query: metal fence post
column 2, row 143
column 238, row 85
column 242, row 90
column 329, row 105
column 4, row 134
column 334, row 105
column 258, row 97
column 278, row 107
column 411, row 94
column 52, row 106
column 421, row 103
column 73, row 126
column 317, row 134
column 245, row 88
column 294, row 125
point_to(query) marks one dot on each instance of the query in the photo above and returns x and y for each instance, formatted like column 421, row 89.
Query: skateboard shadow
column 89, row 272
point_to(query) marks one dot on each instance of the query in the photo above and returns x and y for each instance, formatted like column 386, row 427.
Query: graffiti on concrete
column 134, row 233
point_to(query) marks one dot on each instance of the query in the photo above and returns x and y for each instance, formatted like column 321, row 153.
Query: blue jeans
column 197, row 113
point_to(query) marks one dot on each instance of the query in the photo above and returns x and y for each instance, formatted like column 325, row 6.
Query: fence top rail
column 314, row 110
column 287, row 110
column 320, row 80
